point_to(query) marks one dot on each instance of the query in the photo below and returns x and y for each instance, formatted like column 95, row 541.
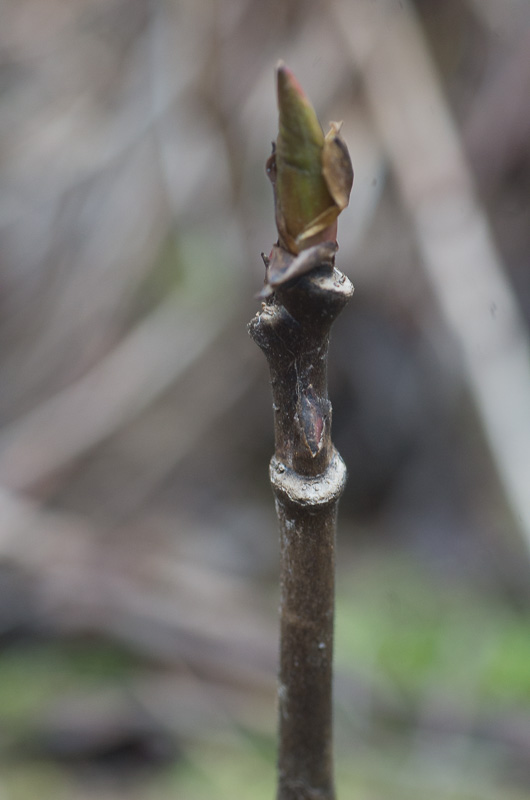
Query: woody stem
column 307, row 476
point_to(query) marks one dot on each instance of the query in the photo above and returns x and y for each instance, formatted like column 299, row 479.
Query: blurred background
column 138, row 545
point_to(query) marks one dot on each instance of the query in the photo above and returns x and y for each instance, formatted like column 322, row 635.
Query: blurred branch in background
column 465, row 269
column 166, row 607
column 121, row 385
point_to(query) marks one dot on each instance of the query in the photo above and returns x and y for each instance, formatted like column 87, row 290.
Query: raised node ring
column 303, row 491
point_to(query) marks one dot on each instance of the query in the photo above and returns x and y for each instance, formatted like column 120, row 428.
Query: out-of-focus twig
column 118, row 388
column 460, row 258
column 177, row 611
column 83, row 214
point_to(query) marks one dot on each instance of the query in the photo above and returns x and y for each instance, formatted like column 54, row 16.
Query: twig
column 294, row 336
column 306, row 293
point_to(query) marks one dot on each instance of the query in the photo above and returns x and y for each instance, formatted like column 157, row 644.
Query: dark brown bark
column 307, row 476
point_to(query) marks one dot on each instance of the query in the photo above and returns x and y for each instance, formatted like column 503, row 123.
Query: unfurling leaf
column 312, row 175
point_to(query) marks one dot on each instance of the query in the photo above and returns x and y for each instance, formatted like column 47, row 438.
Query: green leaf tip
column 311, row 173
